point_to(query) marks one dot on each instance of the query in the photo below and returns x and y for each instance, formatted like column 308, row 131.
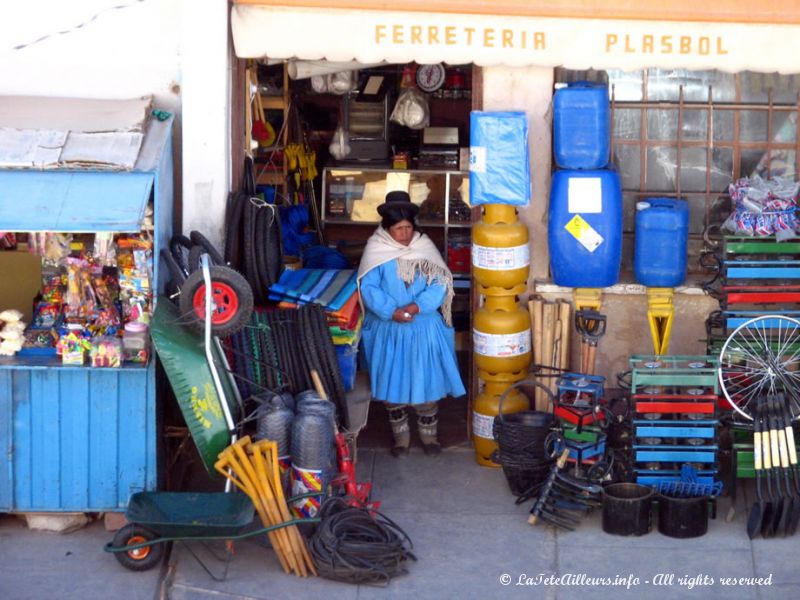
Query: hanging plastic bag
column 411, row 109
column 339, row 83
column 340, row 144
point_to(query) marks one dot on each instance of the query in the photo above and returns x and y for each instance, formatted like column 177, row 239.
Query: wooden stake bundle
column 550, row 324
column 253, row 468
column 535, row 310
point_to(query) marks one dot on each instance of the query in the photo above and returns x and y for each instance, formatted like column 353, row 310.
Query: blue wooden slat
column 6, row 445
column 679, row 456
column 679, row 432
column 74, row 438
column 73, row 201
column 104, row 434
column 23, row 451
column 45, row 439
column 733, row 323
column 762, row 273
column 132, row 435
column 151, row 424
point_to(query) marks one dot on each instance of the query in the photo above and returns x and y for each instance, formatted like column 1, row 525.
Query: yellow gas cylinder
column 501, row 334
column 487, row 407
column 500, row 254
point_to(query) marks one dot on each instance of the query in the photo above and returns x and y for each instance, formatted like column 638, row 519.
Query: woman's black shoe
column 432, row 449
column 399, row 451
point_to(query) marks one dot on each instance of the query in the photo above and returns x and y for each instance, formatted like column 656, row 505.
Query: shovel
column 756, row 515
column 785, row 508
column 591, row 325
column 789, row 521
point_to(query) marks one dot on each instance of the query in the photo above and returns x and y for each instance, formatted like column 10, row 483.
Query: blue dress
column 409, row 363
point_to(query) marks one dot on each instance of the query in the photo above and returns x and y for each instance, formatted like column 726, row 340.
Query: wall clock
column 430, row 77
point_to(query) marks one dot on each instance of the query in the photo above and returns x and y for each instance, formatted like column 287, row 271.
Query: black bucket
column 626, row 508
column 682, row 517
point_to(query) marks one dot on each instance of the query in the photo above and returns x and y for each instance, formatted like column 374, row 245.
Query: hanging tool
column 660, row 312
column 589, row 323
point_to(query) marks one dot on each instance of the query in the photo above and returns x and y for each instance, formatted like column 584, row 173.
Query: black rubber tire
column 275, row 245
column 232, row 279
column 329, row 359
column 249, row 253
column 199, row 239
column 233, row 230
column 194, row 258
column 260, row 247
column 175, row 272
column 142, row 559
column 179, row 247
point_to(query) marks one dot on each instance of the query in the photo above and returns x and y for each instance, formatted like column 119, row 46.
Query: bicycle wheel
column 761, row 356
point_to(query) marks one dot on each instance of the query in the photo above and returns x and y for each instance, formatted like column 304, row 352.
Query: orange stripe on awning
column 719, row 11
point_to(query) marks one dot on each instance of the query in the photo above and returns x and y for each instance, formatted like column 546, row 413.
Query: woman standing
column 409, row 345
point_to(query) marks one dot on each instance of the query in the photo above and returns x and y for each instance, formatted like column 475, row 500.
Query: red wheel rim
column 226, row 302
column 139, row 553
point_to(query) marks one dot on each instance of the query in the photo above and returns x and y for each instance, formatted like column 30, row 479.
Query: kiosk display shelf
column 81, row 438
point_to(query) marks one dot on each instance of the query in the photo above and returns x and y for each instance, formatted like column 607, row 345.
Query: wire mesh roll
column 309, row 402
column 288, row 401
column 274, row 421
column 313, row 442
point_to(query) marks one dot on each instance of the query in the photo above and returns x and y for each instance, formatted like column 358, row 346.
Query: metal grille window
column 688, row 134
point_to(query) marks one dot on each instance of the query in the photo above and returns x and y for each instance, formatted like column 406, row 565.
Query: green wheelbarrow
column 156, row 518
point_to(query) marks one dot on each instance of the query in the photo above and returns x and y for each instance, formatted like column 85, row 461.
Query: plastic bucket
column 626, row 508
column 682, row 517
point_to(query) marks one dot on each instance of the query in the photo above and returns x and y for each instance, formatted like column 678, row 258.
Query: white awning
column 372, row 36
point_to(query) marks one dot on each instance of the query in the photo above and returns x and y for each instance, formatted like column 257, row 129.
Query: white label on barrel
column 501, row 345
column 585, row 195
column 584, row 233
column 482, row 425
column 500, row 259
column 477, row 159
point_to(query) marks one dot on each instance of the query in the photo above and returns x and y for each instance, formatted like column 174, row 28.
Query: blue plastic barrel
column 662, row 237
column 585, row 228
column 581, row 126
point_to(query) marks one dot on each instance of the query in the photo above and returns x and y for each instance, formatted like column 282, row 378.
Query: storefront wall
column 530, row 89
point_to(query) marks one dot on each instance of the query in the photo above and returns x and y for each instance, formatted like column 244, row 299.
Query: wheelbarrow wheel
column 232, row 296
column 140, row 559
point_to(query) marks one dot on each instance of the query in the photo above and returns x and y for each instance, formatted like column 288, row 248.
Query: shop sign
column 398, row 37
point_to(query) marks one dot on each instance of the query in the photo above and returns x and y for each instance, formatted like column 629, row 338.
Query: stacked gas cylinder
column 501, row 335
column 499, row 181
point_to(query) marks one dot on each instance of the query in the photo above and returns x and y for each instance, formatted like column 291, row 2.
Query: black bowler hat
column 398, row 200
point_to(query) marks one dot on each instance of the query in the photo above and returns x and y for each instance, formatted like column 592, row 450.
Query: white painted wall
column 176, row 50
column 206, row 116
column 121, row 53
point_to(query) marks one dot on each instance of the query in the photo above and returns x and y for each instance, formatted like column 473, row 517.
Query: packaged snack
column 106, row 351
column 73, row 347
column 136, row 342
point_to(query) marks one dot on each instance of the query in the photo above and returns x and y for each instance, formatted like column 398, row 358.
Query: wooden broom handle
column 318, row 384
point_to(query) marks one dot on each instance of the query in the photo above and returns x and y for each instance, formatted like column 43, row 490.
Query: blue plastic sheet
column 499, row 171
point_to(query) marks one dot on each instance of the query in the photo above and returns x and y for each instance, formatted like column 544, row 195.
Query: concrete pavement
column 470, row 539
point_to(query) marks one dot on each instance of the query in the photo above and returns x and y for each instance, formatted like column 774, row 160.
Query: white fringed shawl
column 421, row 255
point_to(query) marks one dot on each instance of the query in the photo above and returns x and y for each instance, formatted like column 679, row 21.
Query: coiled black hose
column 352, row 546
